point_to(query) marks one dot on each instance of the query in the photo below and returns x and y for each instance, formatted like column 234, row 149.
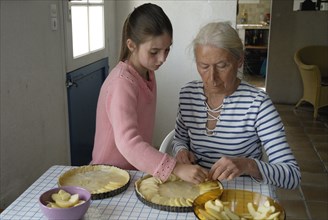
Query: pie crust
column 101, row 181
column 173, row 195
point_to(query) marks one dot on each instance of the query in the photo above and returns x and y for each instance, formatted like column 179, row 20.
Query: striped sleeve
column 281, row 169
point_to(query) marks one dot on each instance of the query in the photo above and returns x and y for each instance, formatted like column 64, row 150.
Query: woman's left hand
column 232, row 167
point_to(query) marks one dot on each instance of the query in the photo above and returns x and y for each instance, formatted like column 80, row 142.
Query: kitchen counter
column 252, row 26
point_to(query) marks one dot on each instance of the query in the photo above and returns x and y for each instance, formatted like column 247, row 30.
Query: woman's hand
column 190, row 173
column 232, row 167
column 185, row 156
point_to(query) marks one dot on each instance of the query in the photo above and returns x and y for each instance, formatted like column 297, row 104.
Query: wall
column 291, row 30
column 34, row 132
column 34, row 116
column 255, row 12
column 186, row 17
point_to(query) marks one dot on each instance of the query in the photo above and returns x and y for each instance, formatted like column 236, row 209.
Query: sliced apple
column 205, row 215
column 251, row 209
column 73, row 200
column 52, row 205
column 214, row 213
column 56, row 197
column 211, row 205
column 64, row 195
column 79, row 202
column 231, row 214
column 218, row 203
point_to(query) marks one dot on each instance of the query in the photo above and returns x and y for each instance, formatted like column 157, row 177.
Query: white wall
column 34, row 131
column 34, row 116
column 186, row 17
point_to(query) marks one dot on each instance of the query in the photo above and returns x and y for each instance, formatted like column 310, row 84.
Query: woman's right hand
column 190, row 173
column 185, row 156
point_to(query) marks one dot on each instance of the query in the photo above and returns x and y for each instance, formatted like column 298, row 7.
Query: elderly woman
column 224, row 123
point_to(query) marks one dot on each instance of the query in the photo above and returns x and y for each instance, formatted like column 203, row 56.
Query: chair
column 166, row 146
column 312, row 62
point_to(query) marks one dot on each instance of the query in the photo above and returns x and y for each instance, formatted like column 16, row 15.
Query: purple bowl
column 76, row 212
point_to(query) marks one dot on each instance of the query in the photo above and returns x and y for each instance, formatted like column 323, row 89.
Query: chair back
column 312, row 62
column 166, row 146
column 315, row 55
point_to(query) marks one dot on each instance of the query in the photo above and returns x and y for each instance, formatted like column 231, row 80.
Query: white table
column 123, row 206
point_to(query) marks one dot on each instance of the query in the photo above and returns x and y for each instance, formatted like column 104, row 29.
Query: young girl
column 127, row 101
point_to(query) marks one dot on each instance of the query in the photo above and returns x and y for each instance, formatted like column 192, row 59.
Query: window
column 88, row 33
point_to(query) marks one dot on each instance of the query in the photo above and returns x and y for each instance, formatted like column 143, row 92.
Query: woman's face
column 217, row 68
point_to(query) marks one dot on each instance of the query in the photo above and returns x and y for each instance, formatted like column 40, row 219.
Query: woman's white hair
column 220, row 35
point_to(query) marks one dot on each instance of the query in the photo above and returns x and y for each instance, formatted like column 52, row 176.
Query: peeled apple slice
column 64, row 195
column 63, row 199
column 79, row 202
column 56, row 197
column 52, row 205
column 71, row 202
column 74, row 199
column 211, row 205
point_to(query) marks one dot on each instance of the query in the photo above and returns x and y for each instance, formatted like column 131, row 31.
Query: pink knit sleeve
column 165, row 168
column 124, row 117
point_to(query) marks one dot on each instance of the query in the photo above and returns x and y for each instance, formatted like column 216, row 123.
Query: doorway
column 253, row 25
column 83, row 87
column 86, row 68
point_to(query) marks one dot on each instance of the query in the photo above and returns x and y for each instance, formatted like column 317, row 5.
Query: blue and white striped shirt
column 247, row 122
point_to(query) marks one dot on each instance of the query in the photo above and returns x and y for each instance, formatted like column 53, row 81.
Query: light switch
column 53, row 10
column 54, row 24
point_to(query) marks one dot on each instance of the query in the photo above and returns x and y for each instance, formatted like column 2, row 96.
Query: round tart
column 174, row 195
column 102, row 181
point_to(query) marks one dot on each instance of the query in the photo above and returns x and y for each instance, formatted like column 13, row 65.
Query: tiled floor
column 254, row 79
column 308, row 139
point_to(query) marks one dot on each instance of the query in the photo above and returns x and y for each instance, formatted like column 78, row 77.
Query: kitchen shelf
column 264, row 47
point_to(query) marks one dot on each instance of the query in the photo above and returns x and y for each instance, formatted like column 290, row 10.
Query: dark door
column 83, row 86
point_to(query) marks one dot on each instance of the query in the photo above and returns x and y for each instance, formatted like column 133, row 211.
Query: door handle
column 70, row 83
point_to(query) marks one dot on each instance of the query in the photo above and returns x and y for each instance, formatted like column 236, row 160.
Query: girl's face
column 151, row 54
column 217, row 68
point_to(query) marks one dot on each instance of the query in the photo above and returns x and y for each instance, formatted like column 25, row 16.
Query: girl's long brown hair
column 147, row 20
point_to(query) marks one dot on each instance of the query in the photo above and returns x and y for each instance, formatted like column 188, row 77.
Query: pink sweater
column 125, row 123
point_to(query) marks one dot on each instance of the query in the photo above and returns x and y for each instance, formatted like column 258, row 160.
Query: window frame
column 73, row 63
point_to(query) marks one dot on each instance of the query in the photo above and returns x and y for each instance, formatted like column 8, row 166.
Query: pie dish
column 237, row 201
column 102, row 181
column 173, row 195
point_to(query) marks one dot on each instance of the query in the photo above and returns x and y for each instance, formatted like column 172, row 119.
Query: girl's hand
column 190, row 173
column 232, row 167
column 185, row 156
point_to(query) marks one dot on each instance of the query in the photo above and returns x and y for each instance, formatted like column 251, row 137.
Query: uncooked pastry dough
column 173, row 192
column 95, row 178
